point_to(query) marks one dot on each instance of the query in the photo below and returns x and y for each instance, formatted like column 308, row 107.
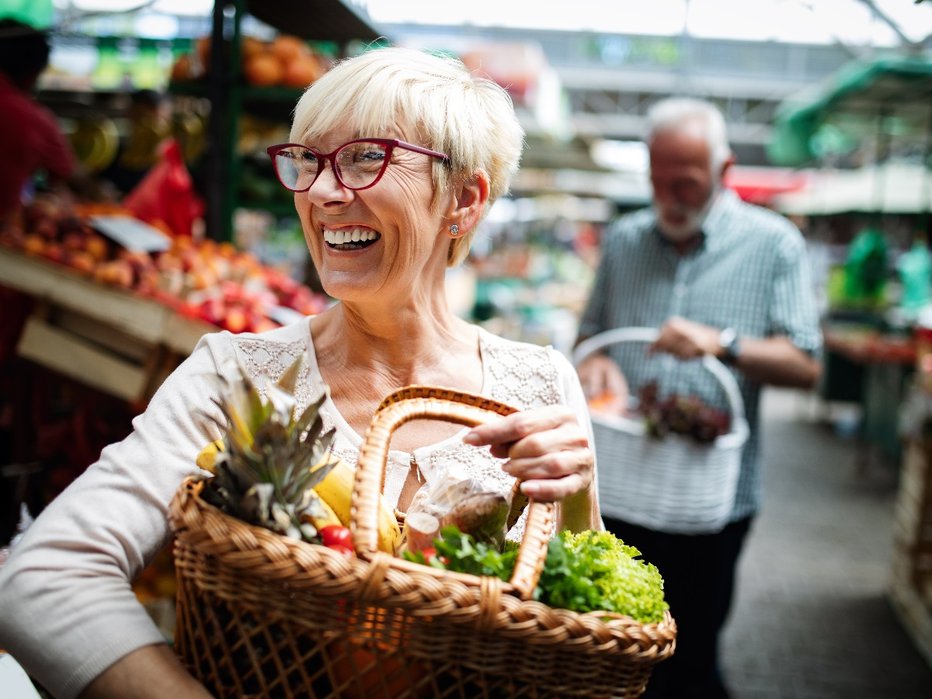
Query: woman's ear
column 468, row 202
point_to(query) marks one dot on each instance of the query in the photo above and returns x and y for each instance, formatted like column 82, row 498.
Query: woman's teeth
column 355, row 237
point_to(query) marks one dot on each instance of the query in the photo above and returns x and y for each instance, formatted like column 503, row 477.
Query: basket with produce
column 673, row 465
column 277, row 606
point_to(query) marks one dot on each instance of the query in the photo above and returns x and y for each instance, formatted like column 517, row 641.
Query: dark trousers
column 699, row 575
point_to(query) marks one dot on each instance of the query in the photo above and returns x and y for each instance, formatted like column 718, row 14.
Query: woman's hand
column 546, row 448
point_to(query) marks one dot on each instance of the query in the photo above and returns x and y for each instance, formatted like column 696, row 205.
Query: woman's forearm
column 151, row 671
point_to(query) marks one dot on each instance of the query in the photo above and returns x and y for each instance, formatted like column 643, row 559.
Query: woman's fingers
column 546, row 450
column 519, row 425
column 554, row 489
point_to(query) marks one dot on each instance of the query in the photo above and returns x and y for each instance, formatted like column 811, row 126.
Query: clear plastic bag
column 457, row 499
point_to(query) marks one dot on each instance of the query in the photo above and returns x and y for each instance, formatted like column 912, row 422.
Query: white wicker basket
column 674, row 484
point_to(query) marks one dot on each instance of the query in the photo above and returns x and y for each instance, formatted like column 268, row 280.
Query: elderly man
column 716, row 276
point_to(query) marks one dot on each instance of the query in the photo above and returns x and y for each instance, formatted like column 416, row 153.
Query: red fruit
column 430, row 555
column 236, row 320
column 336, row 535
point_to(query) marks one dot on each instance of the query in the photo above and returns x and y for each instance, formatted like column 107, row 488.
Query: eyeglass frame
column 389, row 143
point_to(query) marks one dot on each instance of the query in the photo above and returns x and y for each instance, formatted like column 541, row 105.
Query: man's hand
column 767, row 360
column 600, row 376
column 687, row 339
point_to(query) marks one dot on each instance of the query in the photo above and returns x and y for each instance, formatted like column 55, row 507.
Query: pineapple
column 270, row 460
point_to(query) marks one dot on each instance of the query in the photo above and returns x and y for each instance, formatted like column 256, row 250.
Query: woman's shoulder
column 264, row 355
column 522, row 373
column 498, row 345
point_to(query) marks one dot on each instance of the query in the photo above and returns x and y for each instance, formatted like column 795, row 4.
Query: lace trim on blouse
column 517, row 374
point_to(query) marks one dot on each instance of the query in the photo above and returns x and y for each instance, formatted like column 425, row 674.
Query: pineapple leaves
column 271, row 459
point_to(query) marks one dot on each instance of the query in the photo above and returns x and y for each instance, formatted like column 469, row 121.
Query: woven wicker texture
column 672, row 484
column 266, row 616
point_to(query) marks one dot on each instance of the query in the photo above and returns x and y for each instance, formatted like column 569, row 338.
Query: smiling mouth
column 350, row 238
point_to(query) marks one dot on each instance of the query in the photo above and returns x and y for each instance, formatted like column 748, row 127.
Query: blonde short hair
column 469, row 118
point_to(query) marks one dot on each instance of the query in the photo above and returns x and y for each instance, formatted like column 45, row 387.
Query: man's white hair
column 679, row 113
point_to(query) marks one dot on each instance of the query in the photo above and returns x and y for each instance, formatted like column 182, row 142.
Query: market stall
column 878, row 112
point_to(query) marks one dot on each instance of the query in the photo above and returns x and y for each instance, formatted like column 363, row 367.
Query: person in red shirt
column 30, row 138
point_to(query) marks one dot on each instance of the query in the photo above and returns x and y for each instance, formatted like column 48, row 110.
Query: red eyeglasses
column 357, row 165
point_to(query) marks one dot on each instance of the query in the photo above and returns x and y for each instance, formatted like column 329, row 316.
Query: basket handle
column 714, row 366
column 424, row 402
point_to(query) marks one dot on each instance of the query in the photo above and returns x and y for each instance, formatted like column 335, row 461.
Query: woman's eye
column 371, row 155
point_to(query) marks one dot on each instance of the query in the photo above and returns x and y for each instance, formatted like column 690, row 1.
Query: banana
column 337, row 490
column 323, row 515
column 207, row 457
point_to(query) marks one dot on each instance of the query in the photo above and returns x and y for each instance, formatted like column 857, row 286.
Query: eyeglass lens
column 357, row 165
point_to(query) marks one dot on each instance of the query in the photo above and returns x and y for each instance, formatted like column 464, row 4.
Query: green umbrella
column 833, row 118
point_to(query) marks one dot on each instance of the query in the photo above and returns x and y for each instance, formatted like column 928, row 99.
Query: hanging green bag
column 866, row 268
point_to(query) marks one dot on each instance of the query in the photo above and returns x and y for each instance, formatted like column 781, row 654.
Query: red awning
column 759, row 185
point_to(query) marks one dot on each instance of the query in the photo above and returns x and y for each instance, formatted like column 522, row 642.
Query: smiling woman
column 394, row 158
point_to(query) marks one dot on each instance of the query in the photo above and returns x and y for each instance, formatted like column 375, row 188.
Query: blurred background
column 177, row 225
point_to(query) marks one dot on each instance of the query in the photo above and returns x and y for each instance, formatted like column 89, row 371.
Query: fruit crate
column 911, row 579
column 107, row 338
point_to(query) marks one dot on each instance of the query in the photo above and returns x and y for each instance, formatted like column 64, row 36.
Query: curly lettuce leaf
column 595, row 571
column 586, row 572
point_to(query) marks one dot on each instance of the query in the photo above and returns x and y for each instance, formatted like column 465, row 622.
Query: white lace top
column 517, row 374
column 67, row 611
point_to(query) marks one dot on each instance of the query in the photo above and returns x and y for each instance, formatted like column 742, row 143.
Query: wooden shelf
column 148, row 320
column 108, row 338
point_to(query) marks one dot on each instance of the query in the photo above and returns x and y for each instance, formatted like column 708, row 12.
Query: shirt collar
column 724, row 203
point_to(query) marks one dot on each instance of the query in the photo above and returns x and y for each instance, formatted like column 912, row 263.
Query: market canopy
column 834, row 116
column 891, row 188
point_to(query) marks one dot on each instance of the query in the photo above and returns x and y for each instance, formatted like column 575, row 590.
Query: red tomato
column 336, row 535
column 431, row 553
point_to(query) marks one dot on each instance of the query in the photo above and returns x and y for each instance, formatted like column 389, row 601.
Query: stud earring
column 454, row 230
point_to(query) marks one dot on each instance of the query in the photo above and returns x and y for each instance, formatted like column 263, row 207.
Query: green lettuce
column 595, row 571
column 585, row 572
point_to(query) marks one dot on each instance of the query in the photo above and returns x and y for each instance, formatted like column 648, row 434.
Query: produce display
column 202, row 279
column 285, row 61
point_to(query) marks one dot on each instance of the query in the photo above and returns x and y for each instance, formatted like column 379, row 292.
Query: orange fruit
column 263, row 69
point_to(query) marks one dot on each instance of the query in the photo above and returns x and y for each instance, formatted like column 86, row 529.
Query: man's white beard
column 680, row 232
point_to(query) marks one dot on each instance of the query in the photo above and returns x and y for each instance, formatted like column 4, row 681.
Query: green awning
column 837, row 114
column 35, row 13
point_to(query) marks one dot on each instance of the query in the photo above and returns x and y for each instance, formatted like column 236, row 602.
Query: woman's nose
column 327, row 187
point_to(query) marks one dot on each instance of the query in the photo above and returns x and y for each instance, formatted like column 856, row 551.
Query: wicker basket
column 263, row 615
column 674, row 484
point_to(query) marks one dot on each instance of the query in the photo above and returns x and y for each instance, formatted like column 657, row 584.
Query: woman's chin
column 347, row 290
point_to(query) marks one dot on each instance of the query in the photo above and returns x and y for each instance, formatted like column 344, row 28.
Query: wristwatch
column 730, row 344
